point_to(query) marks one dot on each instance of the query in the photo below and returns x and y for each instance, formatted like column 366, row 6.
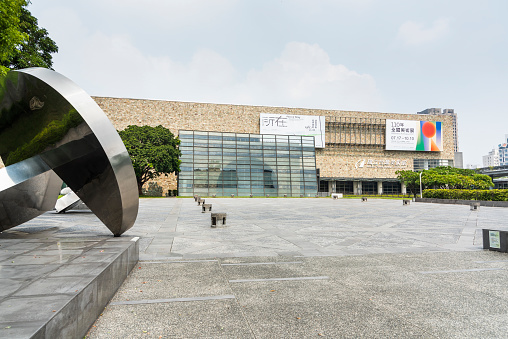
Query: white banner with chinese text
column 306, row 125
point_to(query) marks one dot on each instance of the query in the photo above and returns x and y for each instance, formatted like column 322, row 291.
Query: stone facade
column 337, row 161
column 341, row 161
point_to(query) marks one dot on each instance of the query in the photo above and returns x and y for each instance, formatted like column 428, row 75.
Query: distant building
column 471, row 166
column 503, row 152
column 491, row 159
column 277, row 151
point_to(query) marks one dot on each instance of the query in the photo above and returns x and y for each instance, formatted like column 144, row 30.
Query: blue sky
column 396, row 56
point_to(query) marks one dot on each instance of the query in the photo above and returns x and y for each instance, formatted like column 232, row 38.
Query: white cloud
column 415, row 33
column 302, row 76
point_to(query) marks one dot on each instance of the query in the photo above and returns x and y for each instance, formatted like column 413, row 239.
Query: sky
column 393, row 56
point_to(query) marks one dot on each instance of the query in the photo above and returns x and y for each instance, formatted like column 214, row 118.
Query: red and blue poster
column 414, row 135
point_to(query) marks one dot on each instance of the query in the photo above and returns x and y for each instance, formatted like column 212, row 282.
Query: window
column 243, row 164
column 425, row 164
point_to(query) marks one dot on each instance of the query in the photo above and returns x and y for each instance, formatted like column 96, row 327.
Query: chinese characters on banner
column 413, row 135
column 306, row 125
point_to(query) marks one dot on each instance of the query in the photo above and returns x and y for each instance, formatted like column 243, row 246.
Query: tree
column 22, row 42
column 411, row 179
column 11, row 35
column 153, row 151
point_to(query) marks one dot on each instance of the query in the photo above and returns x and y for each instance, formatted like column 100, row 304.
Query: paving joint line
column 462, row 271
column 280, row 279
column 237, row 301
column 161, row 301
column 263, row 263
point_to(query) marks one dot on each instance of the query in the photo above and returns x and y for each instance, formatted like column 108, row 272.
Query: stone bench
column 218, row 217
column 406, row 202
column 364, row 199
column 337, row 196
column 205, row 207
column 197, row 197
column 201, row 201
column 474, row 206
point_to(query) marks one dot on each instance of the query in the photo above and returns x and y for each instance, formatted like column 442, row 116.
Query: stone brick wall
column 340, row 162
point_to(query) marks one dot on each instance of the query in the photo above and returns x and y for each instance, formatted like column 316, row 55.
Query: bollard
column 364, row 199
column 218, row 217
column 205, row 207
column 405, row 202
column 475, row 206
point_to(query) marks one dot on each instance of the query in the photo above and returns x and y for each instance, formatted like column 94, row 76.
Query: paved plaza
column 176, row 228
column 279, row 268
column 309, row 268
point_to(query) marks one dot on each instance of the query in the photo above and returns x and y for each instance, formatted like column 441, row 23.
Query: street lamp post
column 421, row 192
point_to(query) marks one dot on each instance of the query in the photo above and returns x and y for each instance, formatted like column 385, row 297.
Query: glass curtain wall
column 243, row 164
column 425, row 164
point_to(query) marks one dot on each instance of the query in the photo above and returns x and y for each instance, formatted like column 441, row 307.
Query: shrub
column 486, row 195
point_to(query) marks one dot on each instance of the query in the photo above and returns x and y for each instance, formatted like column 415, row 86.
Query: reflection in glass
column 242, row 164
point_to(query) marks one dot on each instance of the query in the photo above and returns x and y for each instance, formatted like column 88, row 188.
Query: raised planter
column 463, row 202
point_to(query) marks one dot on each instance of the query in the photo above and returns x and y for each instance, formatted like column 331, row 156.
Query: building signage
column 414, row 135
column 306, row 125
column 380, row 163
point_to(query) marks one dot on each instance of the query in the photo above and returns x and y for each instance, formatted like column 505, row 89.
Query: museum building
column 276, row 151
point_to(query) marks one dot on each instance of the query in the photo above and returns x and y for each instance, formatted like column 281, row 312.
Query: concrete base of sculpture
column 58, row 285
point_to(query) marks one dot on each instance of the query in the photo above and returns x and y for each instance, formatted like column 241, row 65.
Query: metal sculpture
column 51, row 130
column 68, row 202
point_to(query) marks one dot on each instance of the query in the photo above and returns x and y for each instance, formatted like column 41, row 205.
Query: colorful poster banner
column 414, row 135
column 306, row 125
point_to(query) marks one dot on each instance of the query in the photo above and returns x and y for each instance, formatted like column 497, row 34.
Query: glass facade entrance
column 243, row 164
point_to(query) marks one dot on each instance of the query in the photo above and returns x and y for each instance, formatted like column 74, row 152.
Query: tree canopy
column 22, row 42
column 445, row 178
column 153, row 151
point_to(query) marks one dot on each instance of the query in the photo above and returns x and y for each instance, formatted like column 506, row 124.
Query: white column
column 379, row 187
column 403, row 188
column 357, row 187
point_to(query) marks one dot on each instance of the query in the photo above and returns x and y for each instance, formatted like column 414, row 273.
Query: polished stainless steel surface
column 67, row 202
column 51, row 130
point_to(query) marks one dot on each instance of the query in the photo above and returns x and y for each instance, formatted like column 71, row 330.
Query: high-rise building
column 503, row 152
column 491, row 159
column 450, row 112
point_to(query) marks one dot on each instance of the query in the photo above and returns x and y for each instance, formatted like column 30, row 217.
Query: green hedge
column 486, row 195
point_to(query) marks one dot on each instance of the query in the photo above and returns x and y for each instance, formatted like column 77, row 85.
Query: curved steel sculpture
column 51, row 130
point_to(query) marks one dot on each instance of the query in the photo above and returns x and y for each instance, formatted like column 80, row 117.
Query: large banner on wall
column 414, row 135
column 282, row 124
